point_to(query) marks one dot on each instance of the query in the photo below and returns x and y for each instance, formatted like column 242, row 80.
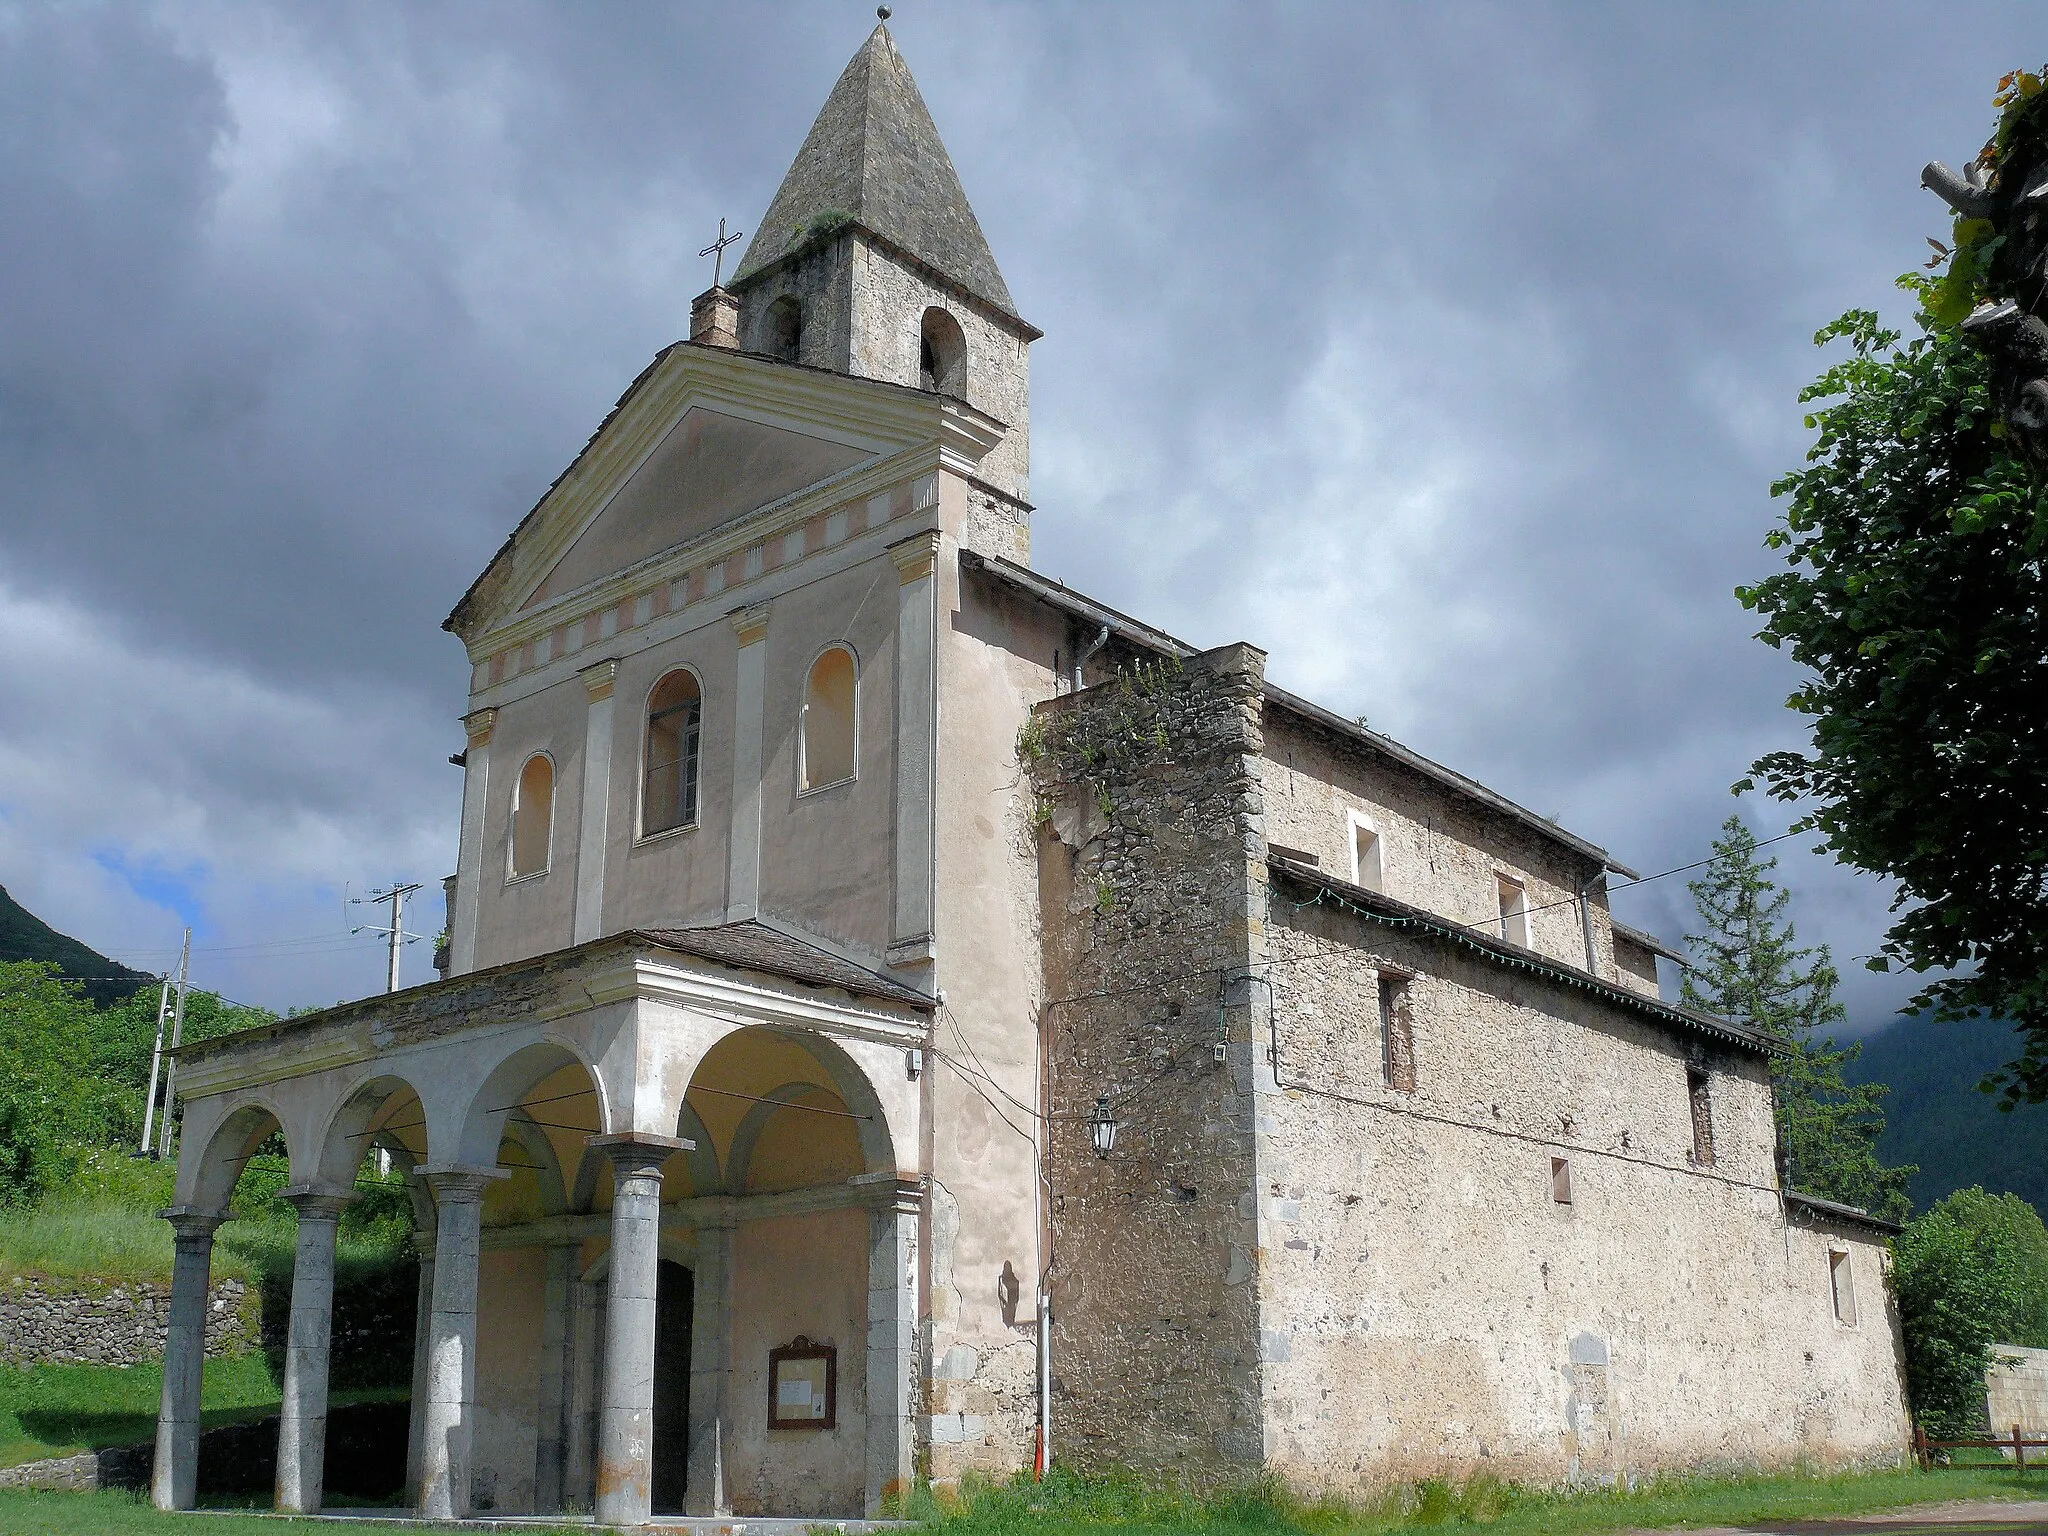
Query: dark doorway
column 674, row 1298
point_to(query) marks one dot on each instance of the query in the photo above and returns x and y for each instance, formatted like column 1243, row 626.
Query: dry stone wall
column 1152, row 874
column 45, row 1322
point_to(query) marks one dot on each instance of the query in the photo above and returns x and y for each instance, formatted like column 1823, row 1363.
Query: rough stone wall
column 1152, row 891
column 1443, row 1314
column 997, row 525
column 44, row 1322
column 820, row 281
column 1439, row 851
column 2016, row 1390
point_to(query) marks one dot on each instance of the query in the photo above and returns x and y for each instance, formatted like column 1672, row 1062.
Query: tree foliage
column 1969, row 1274
column 1915, row 594
column 1748, row 966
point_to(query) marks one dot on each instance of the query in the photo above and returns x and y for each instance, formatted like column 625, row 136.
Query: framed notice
column 803, row 1385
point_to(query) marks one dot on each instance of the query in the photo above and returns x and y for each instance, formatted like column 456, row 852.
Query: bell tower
column 870, row 262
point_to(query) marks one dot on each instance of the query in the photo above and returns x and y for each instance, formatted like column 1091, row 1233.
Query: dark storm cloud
column 1447, row 352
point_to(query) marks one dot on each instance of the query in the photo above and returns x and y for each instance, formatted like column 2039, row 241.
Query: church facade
column 902, row 1017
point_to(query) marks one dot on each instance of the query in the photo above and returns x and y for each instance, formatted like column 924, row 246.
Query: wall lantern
column 1102, row 1128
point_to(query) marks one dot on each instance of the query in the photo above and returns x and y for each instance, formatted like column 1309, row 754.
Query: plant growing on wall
column 1748, row 966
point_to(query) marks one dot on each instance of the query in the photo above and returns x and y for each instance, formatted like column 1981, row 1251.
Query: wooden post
column 1920, row 1448
column 2019, row 1449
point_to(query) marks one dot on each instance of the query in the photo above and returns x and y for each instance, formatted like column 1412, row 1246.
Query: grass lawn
column 1067, row 1504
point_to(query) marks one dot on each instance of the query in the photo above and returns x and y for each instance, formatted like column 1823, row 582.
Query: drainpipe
column 1082, row 658
column 1586, row 917
column 1044, row 1381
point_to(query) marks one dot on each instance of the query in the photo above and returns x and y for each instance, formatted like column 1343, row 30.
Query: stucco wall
column 799, row 1275
column 1437, row 1310
column 1439, row 851
column 509, row 1301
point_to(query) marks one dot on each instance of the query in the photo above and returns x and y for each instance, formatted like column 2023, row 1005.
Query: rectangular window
column 1514, row 910
column 1561, row 1180
column 1397, row 1034
column 1699, row 1091
column 1365, row 854
column 1843, row 1282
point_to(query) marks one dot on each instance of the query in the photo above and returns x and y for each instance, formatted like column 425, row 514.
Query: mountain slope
column 1934, row 1115
column 24, row 936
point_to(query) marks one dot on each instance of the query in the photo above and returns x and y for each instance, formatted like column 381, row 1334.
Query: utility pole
column 396, row 932
column 163, row 1126
column 156, row 1061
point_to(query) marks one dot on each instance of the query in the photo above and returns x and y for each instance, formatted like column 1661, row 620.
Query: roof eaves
column 1380, row 908
column 1834, row 1210
column 1649, row 941
column 1131, row 630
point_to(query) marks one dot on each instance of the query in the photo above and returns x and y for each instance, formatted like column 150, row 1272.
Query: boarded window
column 941, row 353
column 1843, row 1281
column 1699, row 1091
column 1397, row 1034
column 1561, row 1180
column 1514, row 910
column 533, row 816
column 668, row 796
column 1365, row 857
column 827, row 738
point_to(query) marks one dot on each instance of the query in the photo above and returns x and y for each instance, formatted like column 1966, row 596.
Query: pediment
column 709, row 469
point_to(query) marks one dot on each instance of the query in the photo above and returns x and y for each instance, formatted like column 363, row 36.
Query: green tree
column 51, row 1099
column 1916, row 596
column 1972, row 1272
column 1748, row 966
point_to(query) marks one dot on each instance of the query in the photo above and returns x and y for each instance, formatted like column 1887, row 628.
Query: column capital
column 599, row 679
column 478, row 724
column 190, row 1223
column 639, row 1151
column 915, row 556
column 750, row 624
column 314, row 1203
column 462, row 1183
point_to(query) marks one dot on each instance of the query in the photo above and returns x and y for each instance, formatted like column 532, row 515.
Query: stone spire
column 874, row 159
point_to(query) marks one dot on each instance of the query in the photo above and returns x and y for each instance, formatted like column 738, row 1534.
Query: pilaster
column 476, row 774
column 597, row 794
column 917, row 729
column 743, row 877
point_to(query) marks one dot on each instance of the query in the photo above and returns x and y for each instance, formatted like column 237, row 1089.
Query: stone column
column 625, row 1436
column 710, row 1368
column 450, row 1417
column 551, row 1452
column 174, row 1478
column 422, row 1333
column 892, row 1342
column 302, row 1418
column 917, row 722
column 476, row 780
column 743, row 873
column 586, row 1387
column 597, row 798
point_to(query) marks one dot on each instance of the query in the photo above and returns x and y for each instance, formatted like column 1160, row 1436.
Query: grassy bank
column 1065, row 1503
column 55, row 1410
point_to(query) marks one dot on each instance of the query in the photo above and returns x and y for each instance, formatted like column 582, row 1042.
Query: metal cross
column 717, row 248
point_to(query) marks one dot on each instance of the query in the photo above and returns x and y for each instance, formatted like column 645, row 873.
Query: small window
column 1397, row 1034
column 675, row 713
column 783, row 332
column 1561, row 1180
column 1365, row 854
column 941, row 353
column 533, row 816
column 826, row 742
column 1699, row 1090
column 1514, row 910
column 1843, row 1281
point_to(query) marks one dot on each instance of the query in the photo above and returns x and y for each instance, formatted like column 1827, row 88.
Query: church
column 903, row 1018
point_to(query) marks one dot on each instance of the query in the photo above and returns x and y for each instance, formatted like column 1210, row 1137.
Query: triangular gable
column 709, row 469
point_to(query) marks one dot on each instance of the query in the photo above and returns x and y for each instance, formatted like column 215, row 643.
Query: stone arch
column 759, row 1117
column 522, row 1130
column 507, row 1085
column 840, row 1072
column 372, row 1112
column 941, row 353
column 782, row 329
column 229, row 1147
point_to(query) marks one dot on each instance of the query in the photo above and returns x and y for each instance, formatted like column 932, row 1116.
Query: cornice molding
column 743, row 1002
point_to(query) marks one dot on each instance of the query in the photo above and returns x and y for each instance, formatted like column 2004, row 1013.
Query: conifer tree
column 1748, row 966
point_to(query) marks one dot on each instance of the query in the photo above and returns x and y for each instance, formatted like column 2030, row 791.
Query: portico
column 640, row 1166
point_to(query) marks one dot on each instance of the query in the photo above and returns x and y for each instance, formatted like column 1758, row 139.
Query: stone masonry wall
column 43, row 1322
column 1443, row 1313
column 1152, row 872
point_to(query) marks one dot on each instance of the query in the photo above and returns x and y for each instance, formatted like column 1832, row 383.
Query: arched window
column 827, row 741
column 941, row 353
column 783, row 333
column 668, row 792
column 533, row 816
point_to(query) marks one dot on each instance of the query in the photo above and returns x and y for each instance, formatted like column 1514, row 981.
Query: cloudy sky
column 1446, row 351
